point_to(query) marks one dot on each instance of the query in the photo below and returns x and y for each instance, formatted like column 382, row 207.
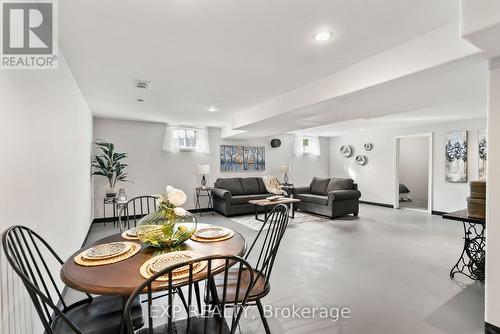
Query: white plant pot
column 110, row 191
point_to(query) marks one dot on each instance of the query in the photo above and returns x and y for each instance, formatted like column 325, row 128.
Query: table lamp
column 285, row 169
column 203, row 170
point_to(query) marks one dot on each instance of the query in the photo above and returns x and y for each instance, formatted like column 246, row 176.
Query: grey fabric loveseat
column 333, row 197
column 231, row 195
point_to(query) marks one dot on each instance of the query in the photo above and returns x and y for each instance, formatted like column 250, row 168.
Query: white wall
column 376, row 179
column 152, row 169
column 45, row 141
column 414, row 166
column 493, row 198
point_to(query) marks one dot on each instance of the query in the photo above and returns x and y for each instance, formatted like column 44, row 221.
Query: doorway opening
column 413, row 172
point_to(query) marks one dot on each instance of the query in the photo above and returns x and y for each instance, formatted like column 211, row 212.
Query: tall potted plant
column 108, row 164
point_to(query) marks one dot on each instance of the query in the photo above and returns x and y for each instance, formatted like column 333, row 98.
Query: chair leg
column 183, row 299
column 197, row 293
column 264, row 320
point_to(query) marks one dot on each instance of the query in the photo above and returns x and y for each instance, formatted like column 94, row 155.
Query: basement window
column 185, row 139
column 306, row 145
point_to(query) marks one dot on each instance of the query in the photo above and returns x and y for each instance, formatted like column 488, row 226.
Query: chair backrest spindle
column 27, row 253
column 139, row 206
column 272, row 232
column 213, row 319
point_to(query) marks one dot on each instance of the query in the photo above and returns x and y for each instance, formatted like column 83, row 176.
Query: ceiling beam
column 433, row 49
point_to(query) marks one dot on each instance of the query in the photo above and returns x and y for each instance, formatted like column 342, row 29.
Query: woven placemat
column 106, row 251
column 227, row 236
column 79, row 259
column 178, row 274
column 128, row 237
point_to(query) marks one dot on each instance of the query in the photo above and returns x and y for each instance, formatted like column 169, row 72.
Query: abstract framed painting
column 237, row 158
column 483, row 153
column 456, row 157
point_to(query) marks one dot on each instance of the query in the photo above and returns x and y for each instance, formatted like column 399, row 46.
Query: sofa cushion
column 250, row 186
column 319, row 185
column 310, row 198
column 243, row 199
column 231, row 184
column 339, row 184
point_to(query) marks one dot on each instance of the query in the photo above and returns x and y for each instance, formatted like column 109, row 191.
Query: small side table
column 116, row 205
column 109, row 201
column 204, row 192
column 288, row 187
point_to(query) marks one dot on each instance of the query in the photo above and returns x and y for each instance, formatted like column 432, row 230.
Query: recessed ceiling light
column 323, row 36
column 213, row 109
column 139, row 100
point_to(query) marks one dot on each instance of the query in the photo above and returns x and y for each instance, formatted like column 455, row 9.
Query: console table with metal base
column 472, row 261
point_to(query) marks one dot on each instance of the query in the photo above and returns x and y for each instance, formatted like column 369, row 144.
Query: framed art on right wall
column 456, row 157
column 483, row 153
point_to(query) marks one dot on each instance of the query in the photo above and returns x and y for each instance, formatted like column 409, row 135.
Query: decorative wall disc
column 346, row 151
column 368, row 146
column 275, row 143
column 361, row 160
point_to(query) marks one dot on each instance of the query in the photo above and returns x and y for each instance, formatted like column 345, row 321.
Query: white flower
column 180, row 212
column 176, row 197
column 169, row 189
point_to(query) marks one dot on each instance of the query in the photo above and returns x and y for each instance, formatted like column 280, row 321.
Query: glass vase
column 156, row 230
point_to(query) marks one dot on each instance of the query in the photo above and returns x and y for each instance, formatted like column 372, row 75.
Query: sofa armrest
column 302, row 190
column 222, row 193
column 354, row 186
column 341, row 195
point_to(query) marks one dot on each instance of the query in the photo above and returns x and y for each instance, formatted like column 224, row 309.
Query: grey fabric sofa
column 231, row 195
column 333, row 197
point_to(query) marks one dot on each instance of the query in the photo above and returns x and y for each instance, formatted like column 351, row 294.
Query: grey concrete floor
column 388, row 267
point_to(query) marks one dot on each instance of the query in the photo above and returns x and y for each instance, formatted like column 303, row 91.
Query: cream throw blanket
column 273, row 186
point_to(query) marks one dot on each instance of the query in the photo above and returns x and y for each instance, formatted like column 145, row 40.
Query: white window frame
column 198, row 139
column 181, row 143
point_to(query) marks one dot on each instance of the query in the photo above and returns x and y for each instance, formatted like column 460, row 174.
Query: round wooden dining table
column 122, row 278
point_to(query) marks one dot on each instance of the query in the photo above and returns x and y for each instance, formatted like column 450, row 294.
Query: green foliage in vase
column 108, row 163
column 165, row 227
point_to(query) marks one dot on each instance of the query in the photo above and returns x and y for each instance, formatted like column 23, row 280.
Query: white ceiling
column 232, row 54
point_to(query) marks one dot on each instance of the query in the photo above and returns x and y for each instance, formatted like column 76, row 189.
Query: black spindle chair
column 32, row 259
column 221, row 317
column 270, row 234
column 136, row 208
